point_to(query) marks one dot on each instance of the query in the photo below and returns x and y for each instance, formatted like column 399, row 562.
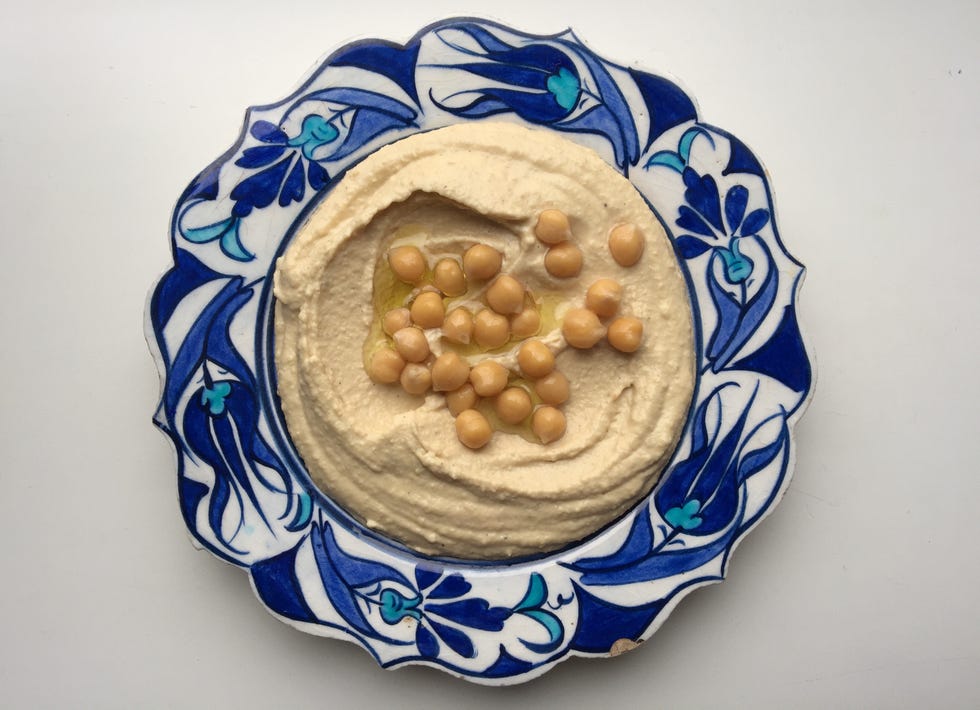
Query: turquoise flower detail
column 685, row 516
column 564, row 86
column 213, row 397
column 395, row 606
column 316, row 131
column 737, row 266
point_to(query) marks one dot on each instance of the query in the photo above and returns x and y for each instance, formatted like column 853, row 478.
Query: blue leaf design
column 735, row 202
column 663, row 564
column 260, row 155
column 756, row 220
column 728, row 310
column 536, row 594
column 317, row 176
column 425, row 578
column 268, row 132
column 454, row 638
column 741, row 159
column 637, row 544
column 188, row 274
column 396, row 63
column 690, row 247
column 474, row 613
column 260, row 189
column 687, row 141
column 303, row 515
column 427, row 643
column 204, row 186
column 483, row 37
column 552, row 625
column 454, row 585
column 277, row 586
column 702, row 195
column 668, row 159
column 231, row 244
column 355, row 571
column 691, row 220
column 602, row 623
column 203, row 235
column 756, row 460
column 366, row 125
column 295, row 186
column 667, row 105
column 362, row 98
column 783, row 356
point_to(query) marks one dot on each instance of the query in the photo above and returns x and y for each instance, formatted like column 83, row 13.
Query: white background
column 859, row 591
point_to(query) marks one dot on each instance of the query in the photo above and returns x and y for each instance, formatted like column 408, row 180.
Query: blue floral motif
column 440, row 604
column 700, row 497
column 541, row 82
column 285, row 165
column 722, row 232
column 220, row 426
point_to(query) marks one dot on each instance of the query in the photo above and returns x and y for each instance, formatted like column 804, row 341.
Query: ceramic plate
column 243, row 490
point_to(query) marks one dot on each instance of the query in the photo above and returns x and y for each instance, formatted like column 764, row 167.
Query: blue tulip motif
column 440, row 604
column 557, row 83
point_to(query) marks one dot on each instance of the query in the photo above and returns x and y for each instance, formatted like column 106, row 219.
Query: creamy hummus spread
column 391, row 457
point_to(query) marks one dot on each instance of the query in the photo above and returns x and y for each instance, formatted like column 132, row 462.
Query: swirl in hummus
column 392, row 459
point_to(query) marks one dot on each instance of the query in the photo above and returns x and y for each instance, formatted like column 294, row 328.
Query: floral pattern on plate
column 243, row 492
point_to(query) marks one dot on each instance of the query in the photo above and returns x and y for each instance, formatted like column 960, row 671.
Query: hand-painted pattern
column 242, row 489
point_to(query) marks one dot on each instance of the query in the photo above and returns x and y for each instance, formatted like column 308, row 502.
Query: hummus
column 392, row 459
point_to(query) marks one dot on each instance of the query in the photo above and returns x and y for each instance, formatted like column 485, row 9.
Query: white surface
column 861, row 589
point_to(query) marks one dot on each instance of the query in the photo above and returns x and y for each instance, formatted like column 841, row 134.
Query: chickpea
column 626, row 334
column 411, row 344
column 552, row 227
column 513, row 405
column 482, row 263
column 428, row 310
column 449, row 372
column 386, row 365
column 526, row 323
column 626, row 244
column 473, row 429
column 603, row 297
column 552, row 388
column 416, row 379
column 490, row 330
column 461, row 399
column 458, row 326
column 448, row 277
column 407, row 263
column 581, row 328
column 506, row 295
column 488, row 378
column 548, row 424
column 396, row 319
column 535, row 359
column 563, row 260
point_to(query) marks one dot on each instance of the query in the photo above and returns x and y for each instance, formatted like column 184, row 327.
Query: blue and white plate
column 243, row 491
